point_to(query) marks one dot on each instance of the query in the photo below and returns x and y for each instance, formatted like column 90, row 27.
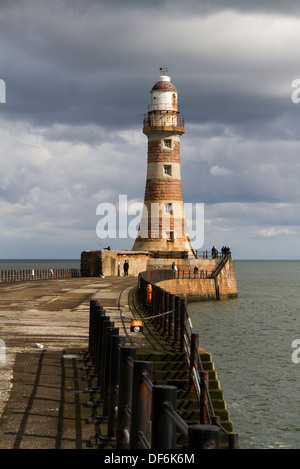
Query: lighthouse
column 163, row 226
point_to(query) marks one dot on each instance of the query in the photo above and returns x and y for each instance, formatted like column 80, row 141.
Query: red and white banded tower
column 163, row 226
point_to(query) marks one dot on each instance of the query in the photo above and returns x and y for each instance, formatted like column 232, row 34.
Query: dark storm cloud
column 65, row 68
column 90, row 62
column 191, row 7
column 78, row 75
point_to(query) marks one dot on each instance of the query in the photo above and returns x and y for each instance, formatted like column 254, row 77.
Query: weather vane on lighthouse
column 163, row 70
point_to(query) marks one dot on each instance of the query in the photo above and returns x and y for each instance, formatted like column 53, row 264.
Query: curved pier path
column 44, row 324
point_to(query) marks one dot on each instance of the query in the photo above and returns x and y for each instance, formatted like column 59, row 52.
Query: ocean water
column 250, row 339
column 22, row 264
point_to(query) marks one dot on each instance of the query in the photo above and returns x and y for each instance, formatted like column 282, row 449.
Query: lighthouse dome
column 164, row 94
column 164, row 85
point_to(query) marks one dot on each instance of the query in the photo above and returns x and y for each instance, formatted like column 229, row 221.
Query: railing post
column 177, row 322
column 161, row 310
column 127, row 357
column 204, row 384
column 93, row 303
column 194, row 346
column 166, row 309
column 98, row 312
column 100, row 376
column 109, row 333
column 163, row 428
column 233, row 441
column 116, row 342
column 171, row 316
column 204, row 437
column 93, row 327
column 98, row 354
column 183, row 314
column 156, row 310
column 140, row 404
column 152, row 305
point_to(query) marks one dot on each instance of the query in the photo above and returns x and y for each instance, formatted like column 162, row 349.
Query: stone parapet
column 111, row 264
column 197, row 289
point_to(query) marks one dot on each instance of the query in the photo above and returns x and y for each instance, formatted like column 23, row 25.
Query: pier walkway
column 44, row 325
column 47, row 398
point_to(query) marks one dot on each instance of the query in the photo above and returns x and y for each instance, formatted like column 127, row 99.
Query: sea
column 253, row 340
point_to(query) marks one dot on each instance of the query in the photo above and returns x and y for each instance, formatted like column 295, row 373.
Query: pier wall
column 197, row 289
column 110, row 264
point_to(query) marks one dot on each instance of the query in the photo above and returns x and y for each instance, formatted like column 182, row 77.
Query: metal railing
column 138, row 414
column 210, row 255
column 184, row 254
column 170, row 318
column 182, row 272
column 37, row 274
column 168, row 120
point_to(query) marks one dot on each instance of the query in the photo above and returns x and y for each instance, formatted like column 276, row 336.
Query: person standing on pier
column 126, row 268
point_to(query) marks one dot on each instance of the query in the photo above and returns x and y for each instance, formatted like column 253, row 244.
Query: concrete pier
column 45, row 391
column 44, row 326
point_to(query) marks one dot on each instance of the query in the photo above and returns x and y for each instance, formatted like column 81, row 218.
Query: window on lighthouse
column 170, row 236
column 168, row 142
column 168, row 170
column 168, row 208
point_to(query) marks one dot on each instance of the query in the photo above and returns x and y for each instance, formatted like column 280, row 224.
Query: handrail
column 169, row 120
column 171, row 412
column 132, row 404
column 210, row 255
column 180, row 330
column 218, row 268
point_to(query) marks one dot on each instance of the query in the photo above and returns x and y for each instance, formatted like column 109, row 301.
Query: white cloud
column 217, row 171
column 275, row 232
column 52, row 187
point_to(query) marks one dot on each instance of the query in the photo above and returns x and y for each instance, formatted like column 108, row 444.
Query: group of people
column 225, row 251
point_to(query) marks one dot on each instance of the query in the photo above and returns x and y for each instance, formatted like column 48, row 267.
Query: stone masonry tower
column 162, row 226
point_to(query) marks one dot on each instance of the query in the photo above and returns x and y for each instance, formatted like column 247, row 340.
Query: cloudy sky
column 78, row 75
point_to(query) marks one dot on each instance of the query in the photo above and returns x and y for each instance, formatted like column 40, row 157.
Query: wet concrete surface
column 44, row 326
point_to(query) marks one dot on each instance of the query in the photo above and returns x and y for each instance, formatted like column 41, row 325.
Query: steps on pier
column 171, row 368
